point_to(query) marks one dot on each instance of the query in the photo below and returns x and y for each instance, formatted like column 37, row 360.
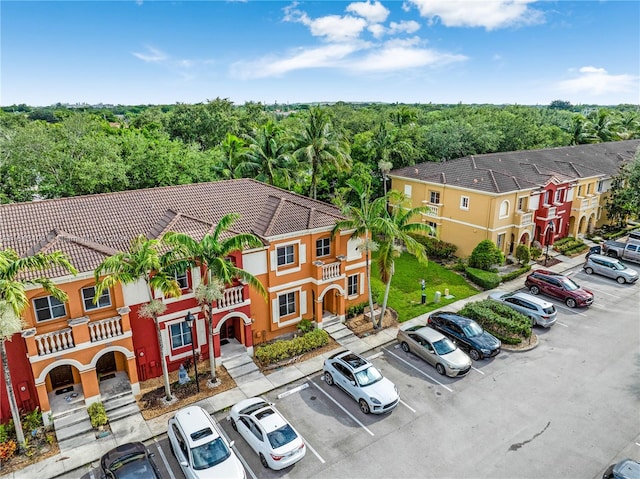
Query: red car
column 558, row 286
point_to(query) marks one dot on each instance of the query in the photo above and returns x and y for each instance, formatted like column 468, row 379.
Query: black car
column 467, row 334
column 129, row 461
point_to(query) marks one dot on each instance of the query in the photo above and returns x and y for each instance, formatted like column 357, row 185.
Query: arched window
column 504, row 209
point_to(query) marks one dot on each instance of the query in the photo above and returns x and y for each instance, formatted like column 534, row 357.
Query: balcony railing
column 434, row 210
column 526, row 219
column 551, row 212
column 231, row 297
column 330, row 271
column 54, row 341
column 594, row 202
column 105, row 329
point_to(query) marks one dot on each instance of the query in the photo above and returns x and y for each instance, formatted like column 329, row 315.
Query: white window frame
column 464, row 203
column 88, row 303
column 182, row 279
column 407, row 191
column 50, row 308
column 289, row 301
column 521, row 203
column 433, row 225
column 352, row 285
column 184, row 334
column 501, row 240
column 289, row 257
column 558, row 198
column 326, row 245
column 435, row 194
column 505, row 206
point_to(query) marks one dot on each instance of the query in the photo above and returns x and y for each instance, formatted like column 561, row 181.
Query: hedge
column 436, row 248
column 506, row 324
column 486, row 279
column 516, row 273
column 285, row 349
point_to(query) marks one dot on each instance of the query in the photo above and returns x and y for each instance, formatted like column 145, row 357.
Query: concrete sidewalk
column 135, row 428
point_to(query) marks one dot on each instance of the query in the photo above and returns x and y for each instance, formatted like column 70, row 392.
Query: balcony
column 434, row 210
column 525, row 219
column 330, row 271
column 105, row 329
column 54, row 342
column 230, row 298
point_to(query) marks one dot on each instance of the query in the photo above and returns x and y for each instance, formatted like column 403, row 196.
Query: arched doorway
column 61, row 377
column 106, row 364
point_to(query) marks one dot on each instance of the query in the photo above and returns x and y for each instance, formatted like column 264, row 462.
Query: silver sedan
column 436, row 349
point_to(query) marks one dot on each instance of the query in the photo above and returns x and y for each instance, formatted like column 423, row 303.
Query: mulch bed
column 362, row 326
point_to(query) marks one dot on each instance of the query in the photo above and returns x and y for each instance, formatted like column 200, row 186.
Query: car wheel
column 264, row 462
column 440, row 369
column 405, row 347
column 571, row 302
column 620, row 280
column 328, row 378
column 474, row 354
column 588, row 270
column 364, row 406
column 534, row 290
column 612, row 254
column 234, row 426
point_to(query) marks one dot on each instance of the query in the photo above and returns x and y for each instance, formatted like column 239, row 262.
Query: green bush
column 304, row 326
column 500, row 320
column 356, row 309
column 97, row 414
column 535, row 252
column 564, row 240
column 485, row 255
column 486, row 279
column 436, row 248
column 285, row 349
column 523, row 255
column 516, row 273
column 32, row 421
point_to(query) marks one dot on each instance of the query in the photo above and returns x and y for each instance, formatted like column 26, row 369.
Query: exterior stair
column 339, row 332
column 73, row 428
column 121, row 406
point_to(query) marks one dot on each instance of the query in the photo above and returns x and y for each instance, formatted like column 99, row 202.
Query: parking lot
column 568, row 408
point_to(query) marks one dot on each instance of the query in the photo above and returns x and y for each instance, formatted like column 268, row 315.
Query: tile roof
column 90, row 228
column 516, row 170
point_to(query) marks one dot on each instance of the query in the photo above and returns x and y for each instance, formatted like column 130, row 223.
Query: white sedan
column 267, row 432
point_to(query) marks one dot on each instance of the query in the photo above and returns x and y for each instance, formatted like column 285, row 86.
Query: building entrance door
column 61, row 376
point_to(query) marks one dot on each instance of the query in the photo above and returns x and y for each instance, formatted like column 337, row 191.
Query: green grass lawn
column 405, row 294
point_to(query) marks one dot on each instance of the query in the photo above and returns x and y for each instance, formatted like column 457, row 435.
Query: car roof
column 197, row 425
column 353, row 360
column 263, row 412
column 456, row 318
column 603, row 257
column 532, row 299
column 430, row 334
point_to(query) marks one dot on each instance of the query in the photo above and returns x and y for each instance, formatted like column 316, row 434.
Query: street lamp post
column 550, row 230
column 189, row 319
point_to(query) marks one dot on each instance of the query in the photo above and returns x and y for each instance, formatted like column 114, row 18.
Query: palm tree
column 579, row 131
column 14, row 277
column 363, row 220
column 320, row 146
column 233, row 149
column 212, row 253
column 602, row 125
column 394, row 232
column 267, row 158
column 143, row 261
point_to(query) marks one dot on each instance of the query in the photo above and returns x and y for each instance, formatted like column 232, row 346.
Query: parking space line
column 477, row 370
column 604, row 292
column 419, row 370
column 562, row 324
column 409, row 407
column 340, row 406
column 569, row 309
column 374, row 356
column 164, row 459
column 313, row 451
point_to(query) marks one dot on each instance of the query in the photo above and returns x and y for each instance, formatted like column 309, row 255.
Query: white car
column 362, row 381
column 199, row 446
column 267, row 432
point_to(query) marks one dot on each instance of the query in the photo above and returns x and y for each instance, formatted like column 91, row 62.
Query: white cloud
column 373, row 12
column 153, row 55
column 333, row 28
column 490, row 15
column 397, row 55
column 377, row 30
column 404, row 26
column 598, row 82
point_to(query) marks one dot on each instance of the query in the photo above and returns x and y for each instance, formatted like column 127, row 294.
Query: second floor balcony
column 328, row 271
column 524, row 219
column 231, row 297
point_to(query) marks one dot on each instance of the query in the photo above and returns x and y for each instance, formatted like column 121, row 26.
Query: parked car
column 268, row 433
column 362, row 381
column 129, row 461
column 539, row 311
column 625, row 469
column 611, row 268
column 200, row 447
column 558, row 286
column 629, row 250
column 466, row 333
column 436, row 349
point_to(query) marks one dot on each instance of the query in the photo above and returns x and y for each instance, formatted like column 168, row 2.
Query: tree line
column 310, row 149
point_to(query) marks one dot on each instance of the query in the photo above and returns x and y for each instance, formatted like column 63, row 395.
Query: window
column 180, row 335
column 504, row 209
column 589, row 188
column 580, row 190
column 407, row 191
column 182, row 279
column 287, row 303
column 352, row 285
column 434, row 197
column 48, row 308
column 88, row 294
column 522, row 203
column 464, row 202
column 323, row 247
column 600, row 188
column 434, row 229
column 547, row 197
column 500, row 243
column 286, row 255
column 558, row 196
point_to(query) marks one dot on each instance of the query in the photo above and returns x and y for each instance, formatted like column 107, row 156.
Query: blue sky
column 412, row 51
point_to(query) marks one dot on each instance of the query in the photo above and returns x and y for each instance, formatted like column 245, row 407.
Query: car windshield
column 368, row 376
column 550, row 310
column 281, row 436
column 131, row 466
column 569, row 284
column 619, row 266
column 210, row 454
column 472, row 330
column 444, row 346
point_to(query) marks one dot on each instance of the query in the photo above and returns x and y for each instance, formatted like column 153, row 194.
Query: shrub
column 97, row 414
column 32, row 420
column 535, row 252
column 356, row 309
column 522, row 254
column 500, row 320
column 7, row 449
column 285, row 349
column 516, row 273
column 486, row 279
column 436, row 248
column 485, row 255
column 304, row 326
